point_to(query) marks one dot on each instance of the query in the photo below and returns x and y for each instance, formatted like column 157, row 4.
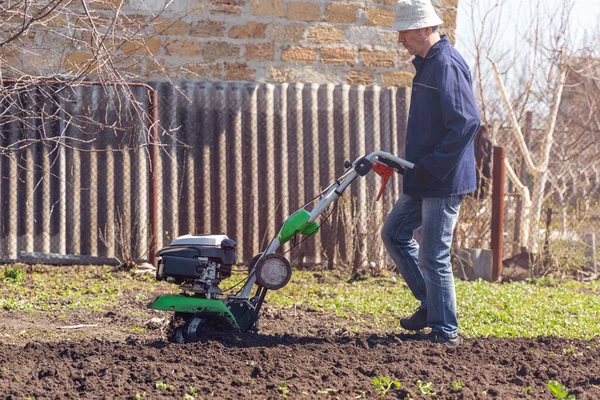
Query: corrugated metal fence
column 234, row 158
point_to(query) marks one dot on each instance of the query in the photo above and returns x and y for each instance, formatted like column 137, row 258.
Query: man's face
column 413, row 40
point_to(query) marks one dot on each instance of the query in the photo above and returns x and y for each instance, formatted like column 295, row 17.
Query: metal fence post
column 497, row 211
column 153, row 119
column 590, row 250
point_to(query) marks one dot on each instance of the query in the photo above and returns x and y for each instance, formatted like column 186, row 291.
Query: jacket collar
column 437, row 46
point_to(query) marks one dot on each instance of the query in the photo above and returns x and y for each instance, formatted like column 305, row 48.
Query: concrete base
column 473, row 264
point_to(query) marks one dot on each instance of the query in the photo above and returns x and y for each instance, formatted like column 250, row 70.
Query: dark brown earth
column 298, row 354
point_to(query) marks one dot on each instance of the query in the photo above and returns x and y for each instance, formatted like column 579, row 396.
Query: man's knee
column 386, row 235
column 395, row 236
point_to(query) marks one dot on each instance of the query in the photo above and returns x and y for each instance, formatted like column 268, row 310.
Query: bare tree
column 538, row 67
column 56, row 131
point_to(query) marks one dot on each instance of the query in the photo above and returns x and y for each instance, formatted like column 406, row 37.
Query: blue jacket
column 442, row 123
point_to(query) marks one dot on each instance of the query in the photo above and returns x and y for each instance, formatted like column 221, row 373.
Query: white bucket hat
column 415, row 14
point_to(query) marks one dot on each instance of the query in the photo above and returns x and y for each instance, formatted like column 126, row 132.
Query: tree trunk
column 539, row 184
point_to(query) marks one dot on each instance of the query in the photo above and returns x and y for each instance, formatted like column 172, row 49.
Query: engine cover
column 197, row 259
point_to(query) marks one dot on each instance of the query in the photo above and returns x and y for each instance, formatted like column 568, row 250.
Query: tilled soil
column 297, row 354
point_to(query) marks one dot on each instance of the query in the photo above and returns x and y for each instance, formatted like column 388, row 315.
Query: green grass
column 527, row 309
column 94, row 288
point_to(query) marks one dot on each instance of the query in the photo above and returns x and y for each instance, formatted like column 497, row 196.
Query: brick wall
column 311, row 41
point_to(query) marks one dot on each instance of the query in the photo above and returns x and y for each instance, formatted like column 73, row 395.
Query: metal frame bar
column 335, row 190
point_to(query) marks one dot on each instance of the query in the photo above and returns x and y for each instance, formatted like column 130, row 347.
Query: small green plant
column 138, row 329
column 560, row 391
column 528, row 389
column 425, row 388
column 163, row 386
column 14, row 275
column 457, row 384
column 139, row 396
column 283, row 389
column 141, row 297
column 384, row 384
column 193, row 393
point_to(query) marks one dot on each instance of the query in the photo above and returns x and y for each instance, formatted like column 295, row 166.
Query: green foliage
column 283, row 389
column 14, row 275
column 138, row 329
column 457, row 384
column 521, row 309
column 425, row 388
column 163, row 386
column 384, row 384
column 93, row 288
column 193, row 393
column 560, row 391
column 11, row 303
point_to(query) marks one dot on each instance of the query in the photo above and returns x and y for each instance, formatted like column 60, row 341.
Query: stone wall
column 311, row 41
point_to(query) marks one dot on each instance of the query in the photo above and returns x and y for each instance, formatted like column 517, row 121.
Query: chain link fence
column 76, row 172
column 554, row 218
column 240, row 158
column 73, row 173
column 551, row 213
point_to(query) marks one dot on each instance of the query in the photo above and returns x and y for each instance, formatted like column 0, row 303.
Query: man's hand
column 422, row 174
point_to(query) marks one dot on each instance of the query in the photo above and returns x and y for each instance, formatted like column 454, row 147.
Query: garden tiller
column 198, row 263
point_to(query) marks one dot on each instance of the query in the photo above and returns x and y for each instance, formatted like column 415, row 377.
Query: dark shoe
column 435, row 337
column 415, row 322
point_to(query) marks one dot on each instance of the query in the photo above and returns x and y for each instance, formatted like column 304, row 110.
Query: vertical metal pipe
column 74, row 189
column 360, row 254
column 384, row 107
column 269, row 189
column 311, row 179
column 190, row 185
column 403, row 95
column 329, row 233
column 172, row 192
column 253, row 227
column 346, row 243
column 62, row 202
column 297, row 194
column 190, row 162
column 153, row 119
column 497, row 211
column 75, row 202
column 110, row 198
column 142, row 207
column 13, row 193
column 206, row 104
column 238, row 174
column 29, row 196
column 46, row 206
column 221, row 150
column 284, row 162
column 394, row 147
column 93, row 205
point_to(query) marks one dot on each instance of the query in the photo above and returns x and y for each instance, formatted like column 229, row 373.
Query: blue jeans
column 426, row 269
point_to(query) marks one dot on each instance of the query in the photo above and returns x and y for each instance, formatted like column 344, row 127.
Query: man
column 442, row 122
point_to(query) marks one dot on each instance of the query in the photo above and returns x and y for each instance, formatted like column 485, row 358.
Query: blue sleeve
column 461, row 120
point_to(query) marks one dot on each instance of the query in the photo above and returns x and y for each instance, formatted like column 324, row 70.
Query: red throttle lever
column 385, row 172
